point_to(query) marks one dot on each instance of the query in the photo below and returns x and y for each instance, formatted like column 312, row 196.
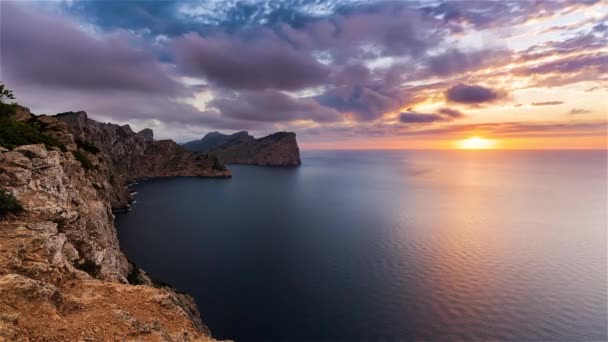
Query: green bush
column 6, row 109
column 87, row 146
column 13, row 134
column 8, row 203
column 83, row 159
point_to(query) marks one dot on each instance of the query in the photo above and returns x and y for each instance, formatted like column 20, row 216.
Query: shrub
column 6, row 109
column 13, row 133
column 8, row 203
column 87, row 146
column 83, row 159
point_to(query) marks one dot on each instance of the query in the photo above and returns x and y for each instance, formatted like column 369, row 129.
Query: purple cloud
column 598, row 61
column 231, row 62
column 392, row 29
column 273, row 106
column 41, row 50
column 412, row 117
column 452, row 113
column 455, row 61
column 471, row 94
column 486, row 14
column 443, row 114
column 364, row 102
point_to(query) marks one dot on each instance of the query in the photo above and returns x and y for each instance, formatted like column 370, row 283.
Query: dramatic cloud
column 455, row 61
column 390, row 29
column 443, row 114
column 363, row 102
column 452, row 113
column 471, row 94
column 53, row 52
column 413, row 117
column 597, row 62
column 231, row 62
column 485, row 14
column 340, row 68
column 273, row 106
column 548, row 103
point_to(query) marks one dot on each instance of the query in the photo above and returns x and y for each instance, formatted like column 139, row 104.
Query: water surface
column 386, row 246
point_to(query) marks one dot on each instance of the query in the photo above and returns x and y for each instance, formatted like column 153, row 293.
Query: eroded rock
column 62, row 274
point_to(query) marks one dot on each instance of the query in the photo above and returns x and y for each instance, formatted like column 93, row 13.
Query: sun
column 476, row 143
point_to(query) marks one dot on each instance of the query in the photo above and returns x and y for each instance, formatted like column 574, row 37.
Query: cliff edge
column 278, row 149
column 62, row 274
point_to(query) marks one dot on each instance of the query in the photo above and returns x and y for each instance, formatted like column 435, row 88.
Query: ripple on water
column 354, row 247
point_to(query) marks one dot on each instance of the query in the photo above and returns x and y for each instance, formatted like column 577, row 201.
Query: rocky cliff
column 278, row 149
column 137, row 155
column 62, row 274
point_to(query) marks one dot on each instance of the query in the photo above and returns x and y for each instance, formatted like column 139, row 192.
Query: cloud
column 41, row 50
column 413, row 117
column 455, row 61
column 386, row 29
column 597, row 62
column 362, row 101
column 234, row 63
column 157, row 17
column 471, row 94
column 443, row 114
column 452, row 113
column 548, row 103
column 488, row 14
column 273, row 106
column 577, row 111
column 493, row 129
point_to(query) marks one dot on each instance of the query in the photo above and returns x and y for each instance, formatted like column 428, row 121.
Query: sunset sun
column 476, row 143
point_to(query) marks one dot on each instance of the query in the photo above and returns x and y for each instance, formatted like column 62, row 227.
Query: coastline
column 63, row 275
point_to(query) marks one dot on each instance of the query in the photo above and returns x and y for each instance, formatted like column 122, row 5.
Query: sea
column 433, row 245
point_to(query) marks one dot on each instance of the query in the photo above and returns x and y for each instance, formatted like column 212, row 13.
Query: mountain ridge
column 277, row 149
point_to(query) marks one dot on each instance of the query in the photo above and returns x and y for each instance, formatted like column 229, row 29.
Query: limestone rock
column 278, row 149
column 62, row 273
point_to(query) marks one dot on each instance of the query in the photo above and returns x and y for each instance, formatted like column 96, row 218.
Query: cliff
column 137, row 155
column 62, row 274
column 278, row 149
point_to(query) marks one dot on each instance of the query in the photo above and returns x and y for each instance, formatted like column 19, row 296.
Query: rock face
column 137, row 155
column 62, row 274
column 278, row 149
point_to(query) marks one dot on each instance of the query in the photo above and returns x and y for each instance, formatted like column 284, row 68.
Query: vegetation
column 6, row 109
column 83, row 159
column 14, row 133
column 8, row 203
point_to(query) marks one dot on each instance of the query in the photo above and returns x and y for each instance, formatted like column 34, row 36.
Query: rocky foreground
column 278, row 149
column 62, row 274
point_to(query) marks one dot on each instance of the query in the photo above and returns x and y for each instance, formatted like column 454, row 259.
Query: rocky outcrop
column 278, row 149
column 137, row 155
column 62, row 274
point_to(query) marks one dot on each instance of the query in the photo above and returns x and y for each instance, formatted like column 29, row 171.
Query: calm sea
column 386, row 246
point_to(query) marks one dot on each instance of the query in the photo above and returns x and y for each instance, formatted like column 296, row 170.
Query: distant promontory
column 278, row 149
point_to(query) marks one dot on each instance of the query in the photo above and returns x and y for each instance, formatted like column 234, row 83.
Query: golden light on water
column 476, row 143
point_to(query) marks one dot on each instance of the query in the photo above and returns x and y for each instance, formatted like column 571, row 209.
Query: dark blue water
column 386, row 246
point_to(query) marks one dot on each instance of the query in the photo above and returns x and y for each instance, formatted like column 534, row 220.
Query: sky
column 342, row 74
